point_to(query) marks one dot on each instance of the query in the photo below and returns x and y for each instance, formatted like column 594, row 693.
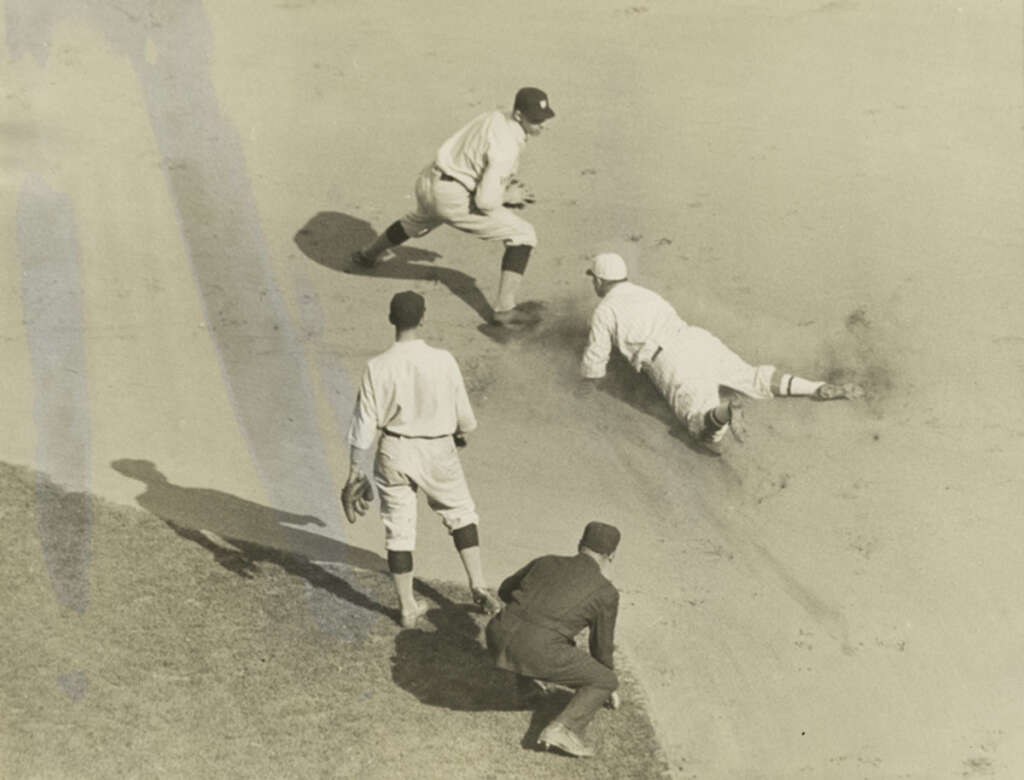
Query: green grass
column 136, row 646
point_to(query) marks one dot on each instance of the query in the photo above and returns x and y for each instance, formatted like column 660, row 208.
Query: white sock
column 795, row 385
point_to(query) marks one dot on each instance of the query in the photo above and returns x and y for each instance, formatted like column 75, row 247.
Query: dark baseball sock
column 716, row 419
column 466, row 537
column 396, row 233
column 399, row 561
column 515, row 258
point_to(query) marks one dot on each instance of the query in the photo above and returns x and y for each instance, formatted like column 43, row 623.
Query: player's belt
column 445, row 177
column 404, row 436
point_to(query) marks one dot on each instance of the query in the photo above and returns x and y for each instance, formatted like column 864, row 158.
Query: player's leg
column 519, row 238
column 594, row 684
column 415, row 224
column 766, row 381
column 444, row 485
column 791, row 385
column 693, row 394
column 398, row 514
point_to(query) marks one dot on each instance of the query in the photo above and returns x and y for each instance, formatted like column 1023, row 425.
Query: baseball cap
column 407, row 309
column 601, row 537
column 608, row 266
column 533, row 104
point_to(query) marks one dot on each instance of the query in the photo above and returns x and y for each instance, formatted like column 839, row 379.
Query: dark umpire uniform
column 548, row 602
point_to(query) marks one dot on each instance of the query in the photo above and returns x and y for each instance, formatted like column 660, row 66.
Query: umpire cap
column 601, row 537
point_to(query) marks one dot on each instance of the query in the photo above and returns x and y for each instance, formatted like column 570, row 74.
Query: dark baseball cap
column 533, row 104
column 407, row 309
column 601, row 538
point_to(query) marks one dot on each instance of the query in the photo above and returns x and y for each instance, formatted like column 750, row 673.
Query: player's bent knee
column 527, row 235
column 465, row 537
column 399, row 561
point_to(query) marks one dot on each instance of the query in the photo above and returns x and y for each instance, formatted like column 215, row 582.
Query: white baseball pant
column 405, row 465
column 441, row 202
column 690, row 370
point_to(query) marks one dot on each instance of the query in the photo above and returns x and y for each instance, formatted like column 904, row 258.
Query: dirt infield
column 833, row 187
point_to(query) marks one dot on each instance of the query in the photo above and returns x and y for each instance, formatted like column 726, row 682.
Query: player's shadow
column 626, row 385
column 330, row 238
column 241, row 534
column 447, row 665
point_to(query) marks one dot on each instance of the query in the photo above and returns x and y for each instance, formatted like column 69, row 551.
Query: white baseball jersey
column 412, row 390
column 633, row 319
column 483, row 156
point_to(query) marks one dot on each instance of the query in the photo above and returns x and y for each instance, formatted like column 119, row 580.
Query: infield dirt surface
column 833, row 187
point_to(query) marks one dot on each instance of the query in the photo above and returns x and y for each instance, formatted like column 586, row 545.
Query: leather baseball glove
column 356, row 496
column 517, row 195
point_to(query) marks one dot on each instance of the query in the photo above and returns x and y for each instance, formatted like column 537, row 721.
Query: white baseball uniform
column 414, row 394
column 465, row 184
column 686, row 363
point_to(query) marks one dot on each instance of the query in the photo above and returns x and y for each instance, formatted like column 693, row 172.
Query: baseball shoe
column 831, row 392
column 737, row 423
column 409, row 619
column 713, row 440
column 487, row 601
column 361, row 262
column 514, row 317
column 558, row 735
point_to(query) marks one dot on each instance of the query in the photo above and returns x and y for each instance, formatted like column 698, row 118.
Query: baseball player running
column 414, row 394
column 686, row 363
column 471, row 186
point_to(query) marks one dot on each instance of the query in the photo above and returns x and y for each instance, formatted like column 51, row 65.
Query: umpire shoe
column 558, row 735
column 487, row 601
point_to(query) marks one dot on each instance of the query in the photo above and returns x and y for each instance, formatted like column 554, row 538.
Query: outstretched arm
column 599, row 346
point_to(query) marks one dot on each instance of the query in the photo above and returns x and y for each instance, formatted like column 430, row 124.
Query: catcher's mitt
column 356, row 497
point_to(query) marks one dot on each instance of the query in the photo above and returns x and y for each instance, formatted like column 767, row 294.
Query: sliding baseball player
column 687, row 364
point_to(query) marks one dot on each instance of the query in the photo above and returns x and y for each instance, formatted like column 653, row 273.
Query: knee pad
column 515, row 258
column 399, row 561
column 466, row 537
column 396, row 233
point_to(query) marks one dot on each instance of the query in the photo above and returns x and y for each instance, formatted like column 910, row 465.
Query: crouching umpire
column 547, row 603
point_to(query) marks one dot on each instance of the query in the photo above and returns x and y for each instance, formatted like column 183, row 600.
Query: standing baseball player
column 414, row 395
column 471, row 186
column 548, row 602
column 686, row 363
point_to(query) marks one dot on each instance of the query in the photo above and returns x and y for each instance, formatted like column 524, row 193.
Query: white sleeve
column 364, row 424
column 599, row 345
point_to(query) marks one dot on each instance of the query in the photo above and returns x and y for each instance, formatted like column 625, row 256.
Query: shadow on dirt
column 242, row 534
column 449, row 667
column 330, row 238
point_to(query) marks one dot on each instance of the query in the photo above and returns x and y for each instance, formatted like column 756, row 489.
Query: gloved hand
column 356, row 496
column 517, row 195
